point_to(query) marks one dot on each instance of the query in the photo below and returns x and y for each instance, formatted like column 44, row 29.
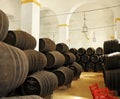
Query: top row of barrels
column 46, row 45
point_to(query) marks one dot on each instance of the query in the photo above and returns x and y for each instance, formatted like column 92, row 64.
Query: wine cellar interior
column 59, row 49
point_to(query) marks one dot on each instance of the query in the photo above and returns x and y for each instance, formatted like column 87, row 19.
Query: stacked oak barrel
column 25, row 71
column 112, row 65
column 90, row 59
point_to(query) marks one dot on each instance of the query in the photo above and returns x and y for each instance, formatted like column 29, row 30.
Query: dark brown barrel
column 65, row 75
column 37, row 60
column 23, row 97
column 85, row 58
column 98, row 67
column 4, row 24
column 73, row 50
column 94, row 58
column 69, row 58
column 77, row 69
column 20, row 39
column 112, row 61
column 62, row 47
column 111, row 46
column 78, row 58
column 90, row 51
column 13, row 68
column 40, row 83
column 99, row 51
column 55, row 59
column 82, row 64
column 101, row 58
column 82, row 51
column 112, row 79
column 46, row 45
column 90, row 66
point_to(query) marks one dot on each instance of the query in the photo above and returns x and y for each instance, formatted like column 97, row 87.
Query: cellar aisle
column 80, row 88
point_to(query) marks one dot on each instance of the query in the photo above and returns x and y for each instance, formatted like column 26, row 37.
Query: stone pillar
column 30, row 18
column 63, row 30
column 63, row 33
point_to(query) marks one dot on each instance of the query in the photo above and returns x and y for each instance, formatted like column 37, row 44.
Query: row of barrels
column 43, row 83
column 90, row 59
column 90, row 51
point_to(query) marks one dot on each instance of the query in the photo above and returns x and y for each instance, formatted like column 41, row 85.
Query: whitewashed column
column 63, row 30
column 117, row 20
column 30, row 18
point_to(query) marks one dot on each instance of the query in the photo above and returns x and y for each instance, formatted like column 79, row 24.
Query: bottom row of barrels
column 43, row 83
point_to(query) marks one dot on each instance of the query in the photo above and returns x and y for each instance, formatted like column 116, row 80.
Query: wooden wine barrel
column 4, row 24
column 62, row 47
column 20, row 39
column 65, row 75
column 13, row 68
column 90, row 51
column 111, row 46
column 82, row 51
column 112, row 61
column 55, row 59
column 69, row 58
column 101, row 58
column 37, row 60
column 112, row 79
column 90, row 66
column 98, row 67
column 83, row 65
column 46, row 45
column 85, row 58
column 78, row 58
column 40, row 83
column 23, row 97
column 99, row 51
column 77, row 69
column 73, row 50
column 94, row 58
